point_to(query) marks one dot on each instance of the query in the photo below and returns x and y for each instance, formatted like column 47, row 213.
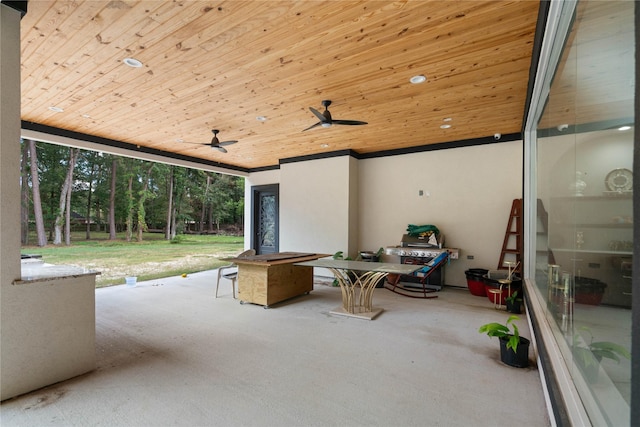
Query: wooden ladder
column 515, row 231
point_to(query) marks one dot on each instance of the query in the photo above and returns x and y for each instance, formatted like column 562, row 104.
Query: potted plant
column 514, row 304
column 589, row 355
column 514, row 349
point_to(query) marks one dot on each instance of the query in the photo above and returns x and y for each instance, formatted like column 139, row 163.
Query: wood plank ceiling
column 220, row 65
column 594, row 85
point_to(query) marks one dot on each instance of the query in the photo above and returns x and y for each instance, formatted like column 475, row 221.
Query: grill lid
column 417, row 242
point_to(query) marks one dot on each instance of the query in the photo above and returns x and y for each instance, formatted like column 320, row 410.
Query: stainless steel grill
column 414, row 250
column 415, row 247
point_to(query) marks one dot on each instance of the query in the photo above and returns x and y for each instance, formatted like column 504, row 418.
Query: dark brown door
column 265, row 219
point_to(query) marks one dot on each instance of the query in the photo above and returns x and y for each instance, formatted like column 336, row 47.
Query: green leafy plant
column 499, row 330
column 586, row 352
column 513, row 298
column 177, row 239
column 339, row 255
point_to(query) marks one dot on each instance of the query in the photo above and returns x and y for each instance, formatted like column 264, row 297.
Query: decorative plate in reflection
column 619, row 180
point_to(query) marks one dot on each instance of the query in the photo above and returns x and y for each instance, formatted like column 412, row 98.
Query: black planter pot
column 514, row 307
column 518, row 359
column 492, row 281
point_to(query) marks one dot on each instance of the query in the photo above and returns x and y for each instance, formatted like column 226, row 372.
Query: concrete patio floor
column 170, row 353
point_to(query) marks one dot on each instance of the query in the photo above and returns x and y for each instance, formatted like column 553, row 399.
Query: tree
column 223, row 188
column 52, row 162
column 129, row 220
column 144, row 195
column 112, row 200
column 181, row 210
column 169, row 233
column 205, row 203
column 140, row 197
column 24, row 194
column 65, row 202
column 88, row 165
column 37, row 202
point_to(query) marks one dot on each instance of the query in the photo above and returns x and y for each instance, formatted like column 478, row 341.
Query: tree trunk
column 66, row 188
column 174, row 214
column 168, row 233
column 129, row 220
column 24, row 194
column 173, row 223
column 142, row 223
column 210, row 215
column 67, row 217
column 98, row 216
column 88, row 214
column 205, row 197
column 37, row 201
column 112, row 201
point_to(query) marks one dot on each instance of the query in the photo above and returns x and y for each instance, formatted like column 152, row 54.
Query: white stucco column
column 9, row 167
column 9, row 145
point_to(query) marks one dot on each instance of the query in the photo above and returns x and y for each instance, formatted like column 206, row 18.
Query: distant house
column 79, row 219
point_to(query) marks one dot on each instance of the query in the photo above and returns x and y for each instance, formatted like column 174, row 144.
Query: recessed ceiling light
column 179, row 140
column 261, row 118
column 56, row 109
column 445, row 126
column 86, row 116
column 132, row 62
column 324, row 145
column 623, row 128
column 418, row 79
column 447, row 119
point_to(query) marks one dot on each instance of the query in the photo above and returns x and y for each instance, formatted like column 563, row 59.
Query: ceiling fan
column 326, row 120
column 215, row 142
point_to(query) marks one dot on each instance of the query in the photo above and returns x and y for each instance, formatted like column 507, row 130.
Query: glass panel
column 267, row 221
column 585, row 215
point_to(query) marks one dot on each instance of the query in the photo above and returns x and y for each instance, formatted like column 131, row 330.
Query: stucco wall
column 346, row 204
column 48, row 333
column 315, row 209
column 9, row 147
column 467, row 194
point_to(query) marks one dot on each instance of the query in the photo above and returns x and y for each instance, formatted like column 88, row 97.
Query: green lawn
column 153, row 258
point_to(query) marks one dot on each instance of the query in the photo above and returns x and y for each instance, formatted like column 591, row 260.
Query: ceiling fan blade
column 349, row 122
column 196, row 143
column 313, row 126
column 326, row 120
column 219, row 148
column 318, row 114
column 226, row 143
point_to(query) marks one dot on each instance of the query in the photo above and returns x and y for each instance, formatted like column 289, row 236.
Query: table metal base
column 366, row 315
column 358, row 280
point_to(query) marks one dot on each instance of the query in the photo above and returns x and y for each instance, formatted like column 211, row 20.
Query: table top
column 276, row 258
column 383, row 267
